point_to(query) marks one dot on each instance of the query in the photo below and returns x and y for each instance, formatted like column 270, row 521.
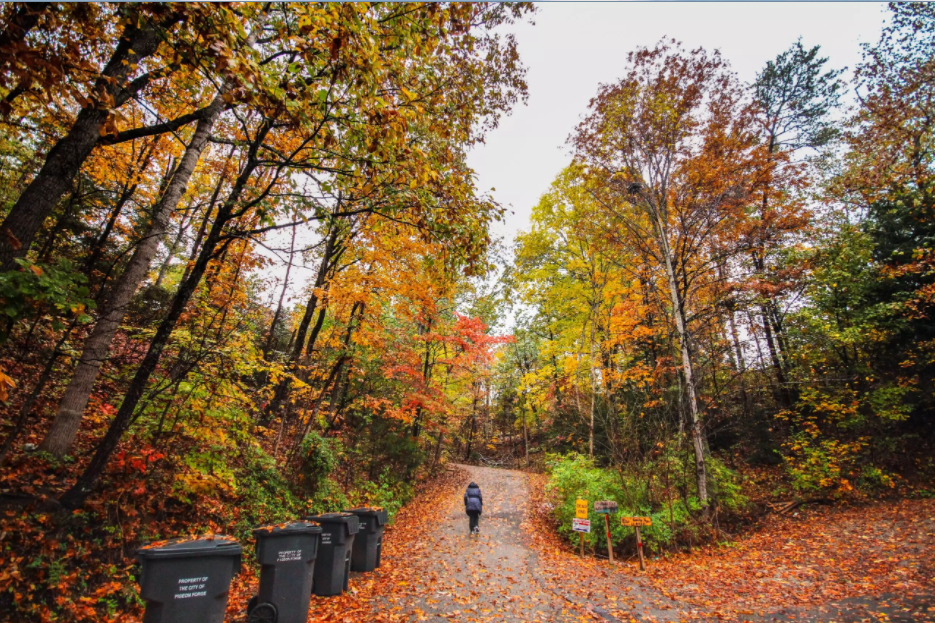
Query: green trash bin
column 368, row 544
column 286, row 553
column 188, row 580
column 333, row 566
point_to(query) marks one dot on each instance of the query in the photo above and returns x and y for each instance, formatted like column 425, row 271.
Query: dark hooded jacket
column 473, row 500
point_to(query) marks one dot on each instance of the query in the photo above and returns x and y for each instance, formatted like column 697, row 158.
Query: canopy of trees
column 246, row 274
column 730, row 278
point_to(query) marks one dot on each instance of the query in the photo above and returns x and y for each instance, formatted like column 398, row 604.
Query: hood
column 473, row 485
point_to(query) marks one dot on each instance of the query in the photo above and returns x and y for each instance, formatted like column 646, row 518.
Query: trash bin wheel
column 263, row 613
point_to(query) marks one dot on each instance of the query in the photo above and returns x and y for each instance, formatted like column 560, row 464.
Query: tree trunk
column 470, row 440
column 98, row 249
column 593, row 390
column 61, row 436
column 128, row 191
column 426, row 373
column 688, row 373
column 75, row 497
column 782, row 391
column 282, row 297
column 327, row 262
column 68, row 155
column 171, row 251
column 199, row 237
column 525, row 437
column 329, row 256
column 438, row 450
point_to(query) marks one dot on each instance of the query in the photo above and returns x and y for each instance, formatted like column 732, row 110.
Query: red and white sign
column 581, row 525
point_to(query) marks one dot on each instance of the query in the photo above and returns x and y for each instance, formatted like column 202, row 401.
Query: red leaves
column 136, row 462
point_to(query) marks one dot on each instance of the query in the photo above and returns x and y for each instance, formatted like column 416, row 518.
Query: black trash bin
column 368, row 544
column 286, row 553
column 187, row 580
column 333, row 567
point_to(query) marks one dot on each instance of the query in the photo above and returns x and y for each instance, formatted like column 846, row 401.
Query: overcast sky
column 575, row 46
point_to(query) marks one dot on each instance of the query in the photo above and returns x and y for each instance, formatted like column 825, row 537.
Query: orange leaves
column 6, row 384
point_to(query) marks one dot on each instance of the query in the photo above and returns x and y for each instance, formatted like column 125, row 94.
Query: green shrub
column 56, row 289
column 320, row 457
column 650, row 492
column 388, row 492
column 328, row 497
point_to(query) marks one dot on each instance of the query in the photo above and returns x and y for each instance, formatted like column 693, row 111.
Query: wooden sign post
column 639, row 548
column 610, row 547
column 581, row 526
column 636, row 522
column 605, row 508
column 581, row 512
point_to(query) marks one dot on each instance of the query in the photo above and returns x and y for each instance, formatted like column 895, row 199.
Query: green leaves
column 57, row 290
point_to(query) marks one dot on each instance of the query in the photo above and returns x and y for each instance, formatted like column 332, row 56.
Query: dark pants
column 474, row 516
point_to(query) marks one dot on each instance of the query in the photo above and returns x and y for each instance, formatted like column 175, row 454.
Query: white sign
column 192, row 587
column 288, row 555
column 581, row 525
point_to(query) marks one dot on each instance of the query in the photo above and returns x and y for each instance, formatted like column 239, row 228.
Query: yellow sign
column 636, row 521
column 581, row 509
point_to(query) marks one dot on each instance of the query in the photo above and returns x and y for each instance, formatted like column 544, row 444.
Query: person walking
column 473, row 506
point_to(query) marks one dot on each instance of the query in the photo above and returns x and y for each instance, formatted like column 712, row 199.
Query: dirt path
column 434, row 570
column 499, row 574
column 492, row 576
column 517, row 570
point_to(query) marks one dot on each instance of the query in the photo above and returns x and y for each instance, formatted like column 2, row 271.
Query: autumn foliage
column 732, row 278
column 246, row 274
column 236, row 245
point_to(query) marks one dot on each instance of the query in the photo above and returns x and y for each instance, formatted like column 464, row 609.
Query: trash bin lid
column 289, row 527
column 377, row 512
column 349, row 519
column 217, row 545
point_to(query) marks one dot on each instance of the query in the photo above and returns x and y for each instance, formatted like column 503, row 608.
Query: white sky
column 575, row 46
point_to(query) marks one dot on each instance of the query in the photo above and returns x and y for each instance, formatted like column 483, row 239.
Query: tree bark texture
column 688, row 373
